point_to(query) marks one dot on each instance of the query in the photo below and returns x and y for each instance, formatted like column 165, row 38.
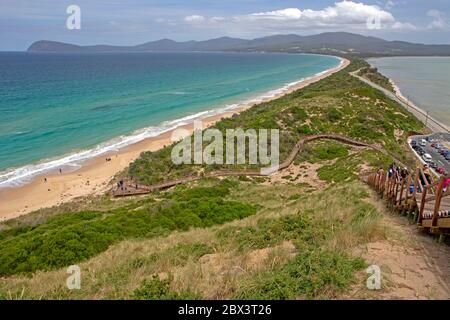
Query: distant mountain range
column 327, row 43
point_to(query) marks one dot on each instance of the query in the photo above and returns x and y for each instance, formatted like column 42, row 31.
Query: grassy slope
column 124, row 242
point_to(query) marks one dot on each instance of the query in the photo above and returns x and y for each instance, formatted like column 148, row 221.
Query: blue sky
column 127, row 22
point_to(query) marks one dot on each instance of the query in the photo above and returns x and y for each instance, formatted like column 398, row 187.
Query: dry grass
column 216, row 270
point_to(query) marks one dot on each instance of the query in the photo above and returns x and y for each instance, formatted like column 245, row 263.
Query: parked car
column 423, row 142
column 439, row 146
column 441, row 171
column 443, row 151
column 427, row 157
column 433, row 165
column 413, row 143
column 434, row 145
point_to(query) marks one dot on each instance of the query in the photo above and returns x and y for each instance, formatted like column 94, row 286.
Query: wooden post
column 422, row 204
column 380, row 180
column 393, row 185
column 437, row 204
column 391, row 182
column 386, row 186
column 408, row 194
column 397, row 185
column 416, row 182
column 376, row 179
column 401, row 193
column 408, row 185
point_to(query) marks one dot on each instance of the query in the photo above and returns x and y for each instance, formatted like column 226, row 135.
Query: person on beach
column 60, row 171
column 45, row 180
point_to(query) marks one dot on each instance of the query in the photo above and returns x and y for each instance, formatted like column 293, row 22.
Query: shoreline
column 95, row 174
column 418, row 112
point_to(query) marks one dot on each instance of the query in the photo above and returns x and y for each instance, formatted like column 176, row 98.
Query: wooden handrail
column 416, row 182
column 396, row 189
column 285, row 164
column 437, row 205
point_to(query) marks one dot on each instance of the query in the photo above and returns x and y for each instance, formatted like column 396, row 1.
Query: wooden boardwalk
column 418, row 195
column 132, row 189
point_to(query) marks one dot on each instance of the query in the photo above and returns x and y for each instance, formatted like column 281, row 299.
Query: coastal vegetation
column 74, row 237
column 372, row 74
column 339, row 104
column 249, row 238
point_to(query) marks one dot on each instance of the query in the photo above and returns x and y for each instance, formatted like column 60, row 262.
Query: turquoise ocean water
column 58, row 110
column 423, row 80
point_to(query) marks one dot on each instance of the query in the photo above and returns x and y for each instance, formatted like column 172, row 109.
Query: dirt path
column 413, row 265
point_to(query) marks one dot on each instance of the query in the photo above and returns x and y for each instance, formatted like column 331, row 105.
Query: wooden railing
column 417, row 193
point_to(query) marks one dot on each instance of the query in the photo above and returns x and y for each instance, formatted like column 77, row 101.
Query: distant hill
column 327, row 43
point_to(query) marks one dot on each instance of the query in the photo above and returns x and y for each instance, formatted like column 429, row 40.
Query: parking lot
column 437, row 160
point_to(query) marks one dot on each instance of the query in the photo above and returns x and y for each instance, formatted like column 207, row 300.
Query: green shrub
column 270, row 232
column 329, row 151
column 309, row 275
column 299, row 114
column 156, row 289
column 333, row 114
column 75, row 237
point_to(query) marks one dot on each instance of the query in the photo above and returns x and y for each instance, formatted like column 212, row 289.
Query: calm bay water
column 60, row 109
column 424, row 80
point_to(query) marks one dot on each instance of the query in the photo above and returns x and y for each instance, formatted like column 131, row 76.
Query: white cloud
column 217, row 19
column 285, row 14
column 393, row 3
column 341, row 13
column 390, row 4
column 194, row 19
column 403, row 26
column 438, row 22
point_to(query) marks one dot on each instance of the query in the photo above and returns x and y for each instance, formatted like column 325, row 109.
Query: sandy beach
column 95, row 175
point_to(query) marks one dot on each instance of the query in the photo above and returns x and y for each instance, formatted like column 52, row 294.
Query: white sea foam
column 19, row 176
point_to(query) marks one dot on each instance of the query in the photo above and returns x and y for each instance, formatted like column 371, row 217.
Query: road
column 431, row 123
column 437, row 157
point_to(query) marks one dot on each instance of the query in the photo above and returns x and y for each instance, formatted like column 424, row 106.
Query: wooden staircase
column 418, row 195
